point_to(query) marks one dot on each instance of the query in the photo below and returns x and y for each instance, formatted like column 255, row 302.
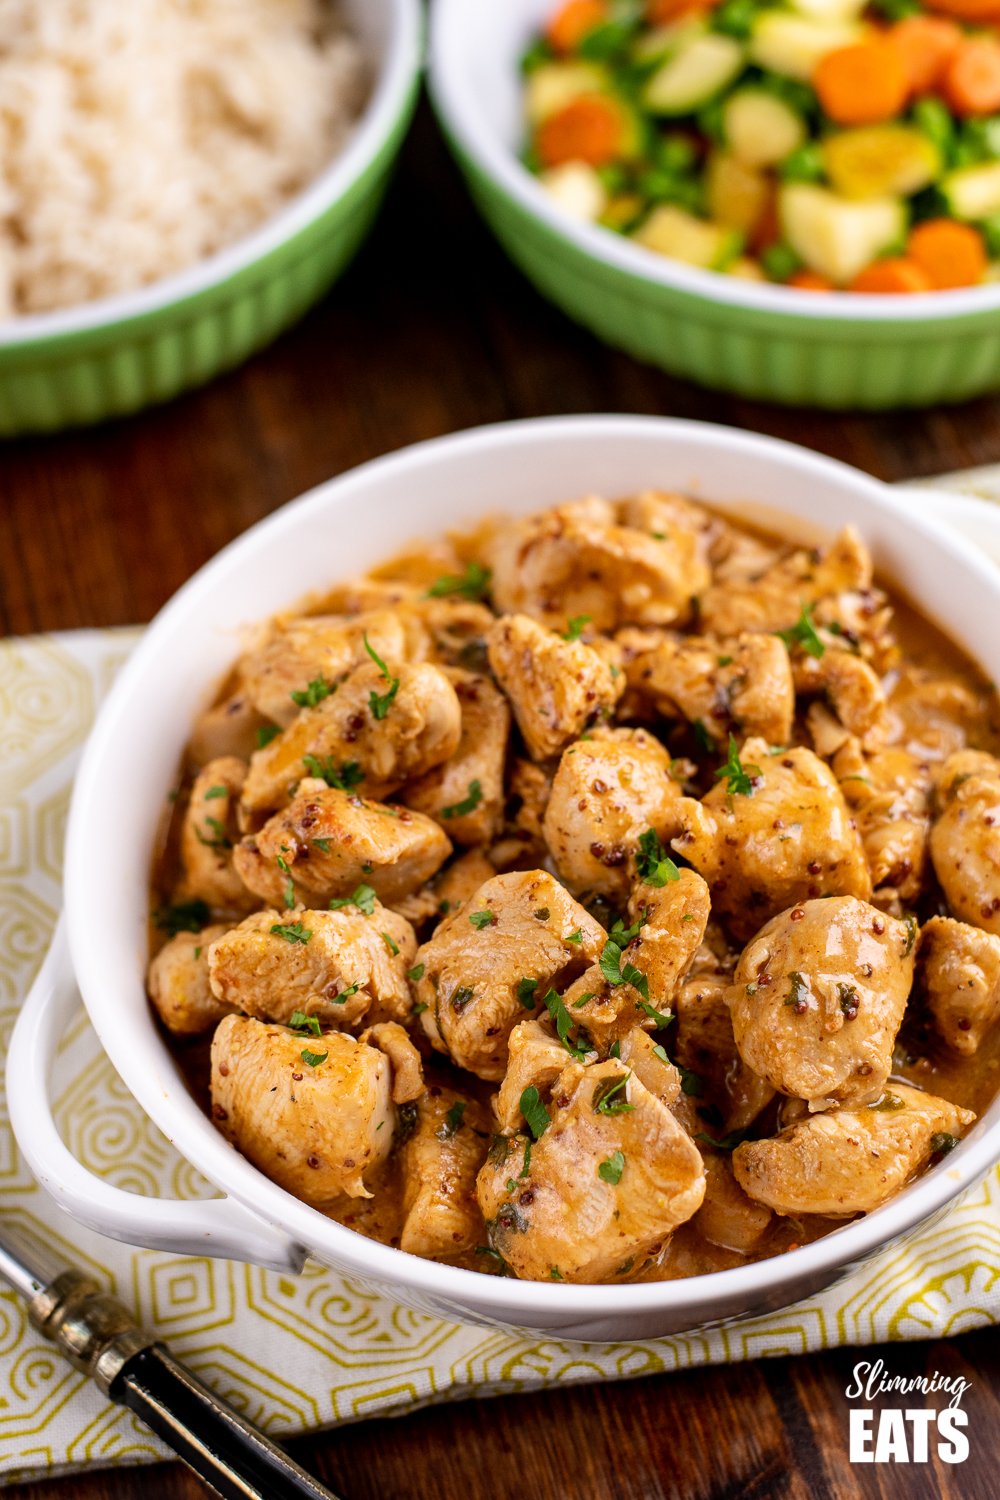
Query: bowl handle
column 211, row 1226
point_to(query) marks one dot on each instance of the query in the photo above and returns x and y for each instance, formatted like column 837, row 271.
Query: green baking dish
column 107, row 358
column 767, row 342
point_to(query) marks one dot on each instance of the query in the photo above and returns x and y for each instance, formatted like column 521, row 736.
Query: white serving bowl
column 131, row 759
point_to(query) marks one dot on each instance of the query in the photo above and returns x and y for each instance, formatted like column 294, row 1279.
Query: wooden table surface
column 432, row 331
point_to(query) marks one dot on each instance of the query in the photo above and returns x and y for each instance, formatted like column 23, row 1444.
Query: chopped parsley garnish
column 888, row 1104
column 661, row 1017
column 323, row 845
column 216, row 791
column 301, row 1022
column 942, row 1142
column 850, row 1001
column 574, row 937
column 345, row 995
column 724, row 661
column 526, row 992
column 313, row 1058
column 219, row 839
column 289, row 891
column 576, row 626
column 185, row 916
column 452, row 1121
column 555, row 1273
column 344, row 777
column 911, row 934
column 293, row 932
column 565, row 1025
column 474, row 583
column 363, row 897
column 467, row 805
column 579, row 1004
column 380, row 703
column 526, row 1164
column 616, row 972
column 481, row 919
column 803, row 633
column 726, row 1143
column 609, row 1096
column 266, row 733
column 615, row 1050
column 611, row 1169
column 542, row 914
column 798, row 992
column 461, row 997
column 652, row 861
column 625, row 1266
column 418, row 1010
column 197, row 951
column 738, row 778
column 535, row 1114
column 317, row 690
column 417, row 972
column 692, row 1084
column 391, row 944
column 701, row 734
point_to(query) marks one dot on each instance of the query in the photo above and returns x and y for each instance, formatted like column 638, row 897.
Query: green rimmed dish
column 114, row 356
column 756, row 340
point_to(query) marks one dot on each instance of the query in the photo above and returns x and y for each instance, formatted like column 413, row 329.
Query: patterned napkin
column 302, row 1353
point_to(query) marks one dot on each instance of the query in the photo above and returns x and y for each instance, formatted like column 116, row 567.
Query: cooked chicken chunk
column 728, row 1217
column 959, row 971
column 851, row 689
column 229, row 728
column 647, row 1060
column 208, row 834
column 407, row 1064
column 965, row 838
column 773, row 600
column 555, row 686
column 335, row 965
column 777, row 833
column 332, row 841
column 662, row 514
column 889, row 794
column 518, row 927
column 316, row 651
column 374, row 732
column 851, row 1160
column 818, row 997
column 530, row 789
column 535, row 1057
column 315, row 1128
column 705, row 1047
column 466, row 792
column 576, row 560
column 604, row 1186
column 609, row 790
column 743, row 686
column 178, row 983
column 440, row 1161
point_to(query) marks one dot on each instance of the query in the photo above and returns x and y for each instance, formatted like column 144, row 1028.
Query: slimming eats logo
column 906, row 1434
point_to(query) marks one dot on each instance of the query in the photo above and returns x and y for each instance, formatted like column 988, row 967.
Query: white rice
column 138, row 136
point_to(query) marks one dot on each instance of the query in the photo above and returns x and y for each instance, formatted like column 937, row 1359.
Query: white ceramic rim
column 398, row 74
column 519, row 1301
column 460, row 106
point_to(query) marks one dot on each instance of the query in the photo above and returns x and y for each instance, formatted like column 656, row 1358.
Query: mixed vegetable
column 821, row 144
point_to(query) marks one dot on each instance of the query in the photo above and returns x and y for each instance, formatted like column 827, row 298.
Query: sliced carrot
column 571, row 23
column 972, row 78
column 862, row 84
column 927, row 45
column 968, row 10
column 810, row 281
column 590, row 129
column 662, row 12
column 949, row 254
column 894, row 274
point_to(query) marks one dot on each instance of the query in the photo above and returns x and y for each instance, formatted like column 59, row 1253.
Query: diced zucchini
column 554, row 85
column 672, row 232
column 838, row 236
column 577, row 189
column 793, row 45
column 735, row 194
column 878, row 160
column 760, row 128
column 973, row 192
column 699, row 70
column 829, row 10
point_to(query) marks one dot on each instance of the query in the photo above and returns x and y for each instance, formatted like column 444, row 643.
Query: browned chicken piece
column 316, row 1128
column 739, row 557
column 227, row 729
column 609, row 790
column 728, row 1217
column 530, row 789
column 383, row 731
column 965, row 838
column 818, row 997
column 742, row 686
column 778, row 833
column 535, row 1056
column 576, row 560
column 959, row 972
column 556, row 687
column 851, row 1160
column 457, row 630
column 440, row 1160
column 889, row 795
column 311, row 654
column 602, row 1188
column 407, row 1064
column 662, row 514
column 333, row 841
column 178, row 983
column 466, row 791
column 648, row 1061
column 518, row 927
column 338, row 966
column 852, row 693
column 705, row 1047
column 773, row 600
column 635, row 985
column 209, row 831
